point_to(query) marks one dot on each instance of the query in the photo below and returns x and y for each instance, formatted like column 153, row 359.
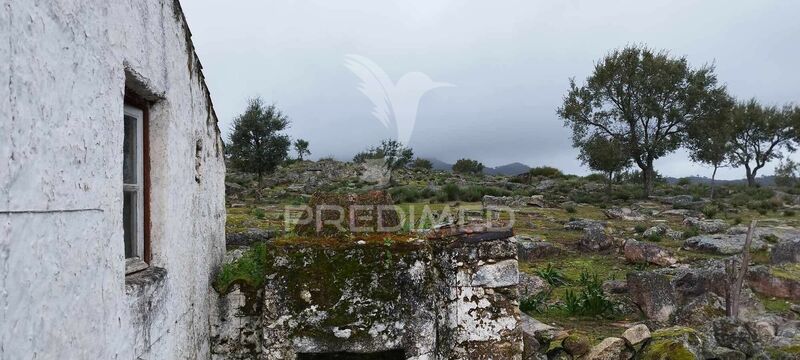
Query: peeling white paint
column 62, row 285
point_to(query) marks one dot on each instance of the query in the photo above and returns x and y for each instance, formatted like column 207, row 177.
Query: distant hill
column 441, row 165
column 762, row 180
column 508, row 169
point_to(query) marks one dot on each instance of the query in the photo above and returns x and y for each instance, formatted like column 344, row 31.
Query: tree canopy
column 301, row 147
column 393, row 152
column 759, row 134
column 604, row 154
column 468, row 166
column 256, row 144
column 643, row 99
column 423, row 164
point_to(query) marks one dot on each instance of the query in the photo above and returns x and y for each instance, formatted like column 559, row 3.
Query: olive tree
column 759, row 135
column 468, row 166
column 641, row 98
column 604, row 154
column 256, row 144
column 301, row 147
column 709, row 138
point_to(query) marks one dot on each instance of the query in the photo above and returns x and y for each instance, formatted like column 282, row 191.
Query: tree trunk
column 733, row 300
column 648, row 175
column 751, row 176
column 713, row 181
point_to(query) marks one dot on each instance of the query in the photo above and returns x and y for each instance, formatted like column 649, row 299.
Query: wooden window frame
column 135, row 264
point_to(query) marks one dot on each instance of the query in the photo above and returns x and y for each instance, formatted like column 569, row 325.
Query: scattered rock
column 653, row 293
column 642, row 252
column 537, row 330
column 663, row 230
column 721, row 244
column 706, row 226
column 779, row 281
column 723, row 353
column 636, row 334
column 493, row 202
column 624, row 214
column 611, row 348
column 700, row 311
column 595, row 239
column 583, row 224
column 674, row 343
column 677, row 200
column 682, row 213
column 530, row 285
column 764, row 330
column 576, row 344
column 786, row 251
column 248, row 237
column 615, row 286
column 529, row 250
column 374, row 171
column 734, row 334
column 530, row 344
column 545, row 184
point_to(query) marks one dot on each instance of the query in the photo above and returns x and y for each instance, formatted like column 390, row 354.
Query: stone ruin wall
column 447, row 298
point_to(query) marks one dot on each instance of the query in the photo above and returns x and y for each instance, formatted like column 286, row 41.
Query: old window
column 133, row 189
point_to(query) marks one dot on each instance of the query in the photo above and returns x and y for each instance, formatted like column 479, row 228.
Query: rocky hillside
column 605, row 273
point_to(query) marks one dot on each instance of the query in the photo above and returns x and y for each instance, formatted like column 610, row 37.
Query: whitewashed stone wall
column 450, row 298
column 63, row 291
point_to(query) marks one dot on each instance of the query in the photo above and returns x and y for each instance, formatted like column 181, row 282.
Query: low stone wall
column 450, row 297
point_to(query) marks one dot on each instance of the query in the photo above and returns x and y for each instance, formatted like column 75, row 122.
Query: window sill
column 133, row 265
column 145, row 281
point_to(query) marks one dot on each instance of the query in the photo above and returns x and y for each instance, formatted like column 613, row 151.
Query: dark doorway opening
column 383, row 355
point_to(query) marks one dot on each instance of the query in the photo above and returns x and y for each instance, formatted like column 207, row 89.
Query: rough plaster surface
column 445, row 300
column 63, row 291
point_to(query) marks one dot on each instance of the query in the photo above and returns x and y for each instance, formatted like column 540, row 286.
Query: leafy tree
column 546, row 171
column 604, row 154
column 759, row 134
column 468, row 166
column 393, row 152
column 423, row 164
column 256, row 144
column 786, row 173
column 643, row 99
column 709, row 138
column 301, row 147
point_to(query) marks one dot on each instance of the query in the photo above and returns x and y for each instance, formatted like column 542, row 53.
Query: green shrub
column 591, row 300
column 640, row 228
column 249, row 270
column 546, row 171
column 788, row 213
column 259, row 213
column 737, row 220
column 710, row 210
column 536, row 303
column 570, row 209
column 684, row 181
column 596, row 177
column 690, row 232
column 552, row 276
column 654, row 237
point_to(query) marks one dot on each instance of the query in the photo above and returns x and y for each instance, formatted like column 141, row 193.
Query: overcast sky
column 510, row 63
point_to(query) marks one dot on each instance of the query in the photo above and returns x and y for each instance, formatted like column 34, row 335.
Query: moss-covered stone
column 675, row 343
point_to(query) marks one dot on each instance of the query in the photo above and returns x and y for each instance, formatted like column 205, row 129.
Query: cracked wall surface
column 453, row 298
column 63, row 290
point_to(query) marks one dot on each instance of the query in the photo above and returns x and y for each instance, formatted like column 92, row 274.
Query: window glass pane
column 129, row 223
column 129, row 151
